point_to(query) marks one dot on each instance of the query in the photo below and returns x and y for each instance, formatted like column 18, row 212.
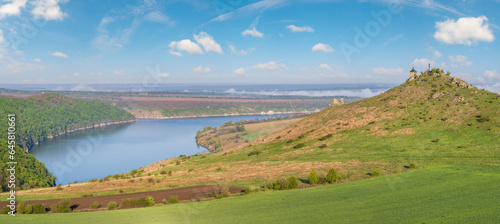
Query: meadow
column 456, row 193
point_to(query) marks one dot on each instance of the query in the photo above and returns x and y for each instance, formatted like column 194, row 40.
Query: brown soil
column 184, row 194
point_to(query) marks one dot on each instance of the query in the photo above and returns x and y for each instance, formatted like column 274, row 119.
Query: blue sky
column 232, row 41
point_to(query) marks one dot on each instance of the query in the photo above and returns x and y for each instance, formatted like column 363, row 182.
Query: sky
column 255, row 41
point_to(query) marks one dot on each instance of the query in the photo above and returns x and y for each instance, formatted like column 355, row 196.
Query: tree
column 332, row 176
column 313, row 177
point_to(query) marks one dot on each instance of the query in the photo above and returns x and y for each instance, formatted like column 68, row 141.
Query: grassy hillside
column 39, row 117
column 438, row 194
column 428, row 121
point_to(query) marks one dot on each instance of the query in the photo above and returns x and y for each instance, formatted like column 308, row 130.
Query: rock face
column 336, row 102
column 147, row 114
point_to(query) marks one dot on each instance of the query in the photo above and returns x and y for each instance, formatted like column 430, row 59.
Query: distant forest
column 39, row 117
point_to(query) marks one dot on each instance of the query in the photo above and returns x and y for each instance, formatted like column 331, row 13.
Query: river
column 120, row 148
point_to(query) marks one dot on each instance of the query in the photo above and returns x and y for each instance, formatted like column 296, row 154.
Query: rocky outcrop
column 147, row 114
column 336, row 102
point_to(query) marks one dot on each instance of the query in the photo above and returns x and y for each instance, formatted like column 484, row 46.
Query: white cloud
column 387, row 71
column 201, row 69
column 157, row 17
column 240, row 72
column 184, row 45
column 252, row 30
column 163, row 75
column 207, row 42
column 59, row 54
column 460, row 59
column 492, row 74
column 38, row 60
column 269, row 66
column 322, row 47
column 76, row 74
column 466, row 31
column 63, row 77
column 294, row 28
column 47, row 9
column 325, row 67
column 119, row 72
column 422, row 62
column 235, row 51
column 435, row 53
column 12, row 9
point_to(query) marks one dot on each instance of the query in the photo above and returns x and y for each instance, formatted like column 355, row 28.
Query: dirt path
column 184, row 194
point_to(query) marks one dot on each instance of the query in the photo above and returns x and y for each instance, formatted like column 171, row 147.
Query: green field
column 438, row 194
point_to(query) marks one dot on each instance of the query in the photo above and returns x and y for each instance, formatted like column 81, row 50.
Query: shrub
column 38, row 209
column 412, row 165
column 164, row 201
column 240, row 128
column 313, row 177
column 59, row 188
column 29, row 209
column 254, row 152
column 219, row 169
column 151, row 180
column 376, row 173
column 298, row 146
column 213, row 194
column 325, row 137
column 21, row 207
column 163, row 172
column 198, row 199
column 112, row 205
column 225, row 192
column 95, row 205
column 170, row 173
column 292, row 182
column 177, row 162
column 134, row 203
column 6, row 210
column 173, row 200
column 151, row 201
column 248, row 190
column 289, row 141
column 323, row 146
column 219, row 196
column 435, row 140
column 120, row 191
column 63, row 206
column 332, row 176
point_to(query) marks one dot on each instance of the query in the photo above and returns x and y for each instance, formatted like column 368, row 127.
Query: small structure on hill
column 336, row 102
column 413, row 74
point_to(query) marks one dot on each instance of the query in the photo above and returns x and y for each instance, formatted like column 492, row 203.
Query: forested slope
column 40, row 117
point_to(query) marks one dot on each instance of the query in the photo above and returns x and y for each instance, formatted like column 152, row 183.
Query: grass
column 459, row 193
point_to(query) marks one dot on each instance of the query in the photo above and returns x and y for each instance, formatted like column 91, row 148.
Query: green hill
column 40, row 117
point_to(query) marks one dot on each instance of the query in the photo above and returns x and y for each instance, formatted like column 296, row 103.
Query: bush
column 21, row 207
column 173, row 200
column 151, row 201
column 112, row 205
column 298, row 146
column 219, row 169
column 325, row 137
column 289, row 141
column 59, row 188
column 254, row 152
column 248, row 190
column 225, row 192
column 376, row 173
column 163, row 172
column 95, row 205
column 63, row 206
column 38, row 209
column 323, row 146
column 332, row 176
column 6, row 210
column 292, row 182
column 240, row 128
column 412, row 165
column 313, row 177
column 164, row 201
column 219, row 196
column 134, row 203
column 29, row 209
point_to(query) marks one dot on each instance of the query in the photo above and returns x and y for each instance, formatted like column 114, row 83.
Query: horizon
column 252, row 42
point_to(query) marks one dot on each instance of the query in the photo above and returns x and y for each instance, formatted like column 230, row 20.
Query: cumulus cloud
column 422, row 62
column 38, row 60
column 184, row 45
column 12, row 9
column 322, row 47
column 201, row 69
column 387, row 71
column 207, row 42
column 295, row 29
column 76, row 74
column 466, row 31
column 235, row 51
column 495, row 87
column 325, row 67
column 460, row 59
column 119, row 72
column 269, row 65
column 252, row 30
column 58, row 54
column 240, row 72
column 492, row 74
column 47, row 9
